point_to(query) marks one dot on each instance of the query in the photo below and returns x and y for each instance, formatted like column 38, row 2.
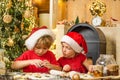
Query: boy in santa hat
column 38, row 57
column 74, row 50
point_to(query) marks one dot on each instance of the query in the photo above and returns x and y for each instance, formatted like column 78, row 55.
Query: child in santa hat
column 74, row 50
column 38, row 57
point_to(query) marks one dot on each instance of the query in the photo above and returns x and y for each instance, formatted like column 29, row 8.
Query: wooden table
column 11, row 76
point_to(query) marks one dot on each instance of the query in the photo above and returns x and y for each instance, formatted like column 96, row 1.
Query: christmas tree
column 16, row 20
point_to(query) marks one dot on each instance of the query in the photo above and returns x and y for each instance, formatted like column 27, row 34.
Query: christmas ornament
column 27, row 14
column 10, row 42
column 16, row 29
column 97, row 8
column 7, row 18
column 24, row 37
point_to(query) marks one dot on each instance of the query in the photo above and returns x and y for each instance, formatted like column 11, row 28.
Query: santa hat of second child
column 35, row 34
column 76, row 42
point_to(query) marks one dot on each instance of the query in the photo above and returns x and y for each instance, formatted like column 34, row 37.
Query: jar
column 109, row 64
column 112, row 70
column 97, row 71
column 106, row 60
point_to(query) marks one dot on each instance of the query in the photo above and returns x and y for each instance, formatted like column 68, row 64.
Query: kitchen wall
column 70, row 9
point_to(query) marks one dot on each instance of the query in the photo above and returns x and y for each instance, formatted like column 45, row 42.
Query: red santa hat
column 76, row 41
column 35, row 34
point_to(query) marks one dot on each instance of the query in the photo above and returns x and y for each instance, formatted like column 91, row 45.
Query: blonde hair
column 45, row 40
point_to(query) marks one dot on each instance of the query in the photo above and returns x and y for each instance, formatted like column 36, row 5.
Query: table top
column 43, row 76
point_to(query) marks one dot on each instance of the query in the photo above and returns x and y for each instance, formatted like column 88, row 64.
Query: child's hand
column 66, row 68
column 36, row 62
column 46, row 64
column 90, row 68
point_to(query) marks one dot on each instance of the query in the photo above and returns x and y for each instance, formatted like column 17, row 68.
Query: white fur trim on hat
column 31, row 41
column 74, row 45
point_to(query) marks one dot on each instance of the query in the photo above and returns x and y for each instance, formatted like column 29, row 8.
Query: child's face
column 40, row 50
column 68, row 52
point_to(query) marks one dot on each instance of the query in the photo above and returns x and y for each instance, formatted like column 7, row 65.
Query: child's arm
column 51, row 66
column 21, row 64
column 88, row 63
column 56, row 67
